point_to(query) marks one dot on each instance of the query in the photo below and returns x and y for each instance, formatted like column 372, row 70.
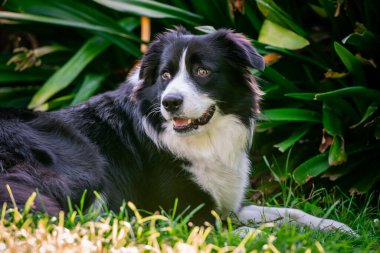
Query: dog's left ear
column 240, row 48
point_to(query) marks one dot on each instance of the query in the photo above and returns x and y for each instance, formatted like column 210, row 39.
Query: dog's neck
column 218, row 157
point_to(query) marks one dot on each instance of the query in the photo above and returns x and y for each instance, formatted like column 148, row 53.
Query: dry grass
column 95, row 231
column 23, row 233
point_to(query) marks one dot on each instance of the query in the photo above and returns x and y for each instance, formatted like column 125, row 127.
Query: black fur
column 101, row 145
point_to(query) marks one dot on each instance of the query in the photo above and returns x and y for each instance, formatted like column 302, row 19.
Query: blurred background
column 320, row 121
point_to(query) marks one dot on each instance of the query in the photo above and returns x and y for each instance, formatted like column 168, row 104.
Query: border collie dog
column 180, row 127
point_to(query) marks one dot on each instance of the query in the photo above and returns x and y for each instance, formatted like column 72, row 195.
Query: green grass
column 96, row 231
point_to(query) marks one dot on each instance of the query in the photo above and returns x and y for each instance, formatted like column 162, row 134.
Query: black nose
column 172, row 102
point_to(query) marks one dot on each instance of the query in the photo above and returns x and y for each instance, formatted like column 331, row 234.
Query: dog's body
column 181, row 127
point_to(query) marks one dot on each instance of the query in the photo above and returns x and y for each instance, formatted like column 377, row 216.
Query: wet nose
column 172, row 102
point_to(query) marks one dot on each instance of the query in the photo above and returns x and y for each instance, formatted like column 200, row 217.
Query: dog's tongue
column 178, row 122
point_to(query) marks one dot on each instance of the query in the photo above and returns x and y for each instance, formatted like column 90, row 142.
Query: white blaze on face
column 194, row 102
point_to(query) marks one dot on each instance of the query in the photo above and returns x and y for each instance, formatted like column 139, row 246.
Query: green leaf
column 302, row 96
column 55, row 103
column 352, row 63
column 372, row 108
column 67, row 73
column 70, row 10
column 329, row 8
column 293, row 138
column 75, row 14
column 366, row 182
column 61, row 22
column 90, row 85
column 252, row 15
column 8, row 75
column 291, row 114
column 277, row 78
column 337, row 172
column 377, row 131
column 276, row 35
column 16, row 96
column 319, row 10
column 266, row 125
column 303, row 57
column 129, row 23
column 152, row 9
column 121, row 42
column 337, row 153
column 364, row 42
column 215, row 12
column 354, row 91
column 205, row 29
column 274, row 13
column 332, row 121
column 14, row 91
column 311, row 168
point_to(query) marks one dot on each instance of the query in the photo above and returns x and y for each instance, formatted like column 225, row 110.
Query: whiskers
column 154, row 109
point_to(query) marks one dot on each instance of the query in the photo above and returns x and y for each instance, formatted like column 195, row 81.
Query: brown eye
column 201, row 72
column 166, row 76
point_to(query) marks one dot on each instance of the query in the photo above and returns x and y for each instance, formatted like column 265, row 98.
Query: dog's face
column 189, row 81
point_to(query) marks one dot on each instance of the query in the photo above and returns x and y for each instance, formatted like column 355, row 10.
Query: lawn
column 105, row 231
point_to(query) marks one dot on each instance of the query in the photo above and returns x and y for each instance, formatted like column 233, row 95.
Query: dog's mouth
column 183, row 124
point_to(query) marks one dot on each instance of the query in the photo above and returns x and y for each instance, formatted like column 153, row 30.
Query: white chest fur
column 218, row 157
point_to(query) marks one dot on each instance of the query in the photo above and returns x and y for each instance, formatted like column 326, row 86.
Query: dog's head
column 188, row 81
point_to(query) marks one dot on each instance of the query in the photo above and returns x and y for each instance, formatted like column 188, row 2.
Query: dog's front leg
column 261, row 214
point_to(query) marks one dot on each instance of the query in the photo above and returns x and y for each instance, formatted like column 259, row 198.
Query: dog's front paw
column 326, row 224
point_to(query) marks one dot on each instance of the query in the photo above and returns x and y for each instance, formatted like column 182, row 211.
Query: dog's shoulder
column 14, row 124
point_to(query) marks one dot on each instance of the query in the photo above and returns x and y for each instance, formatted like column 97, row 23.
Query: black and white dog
column 180, row 127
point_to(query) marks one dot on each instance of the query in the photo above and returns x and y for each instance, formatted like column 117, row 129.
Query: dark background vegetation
column 320, row 122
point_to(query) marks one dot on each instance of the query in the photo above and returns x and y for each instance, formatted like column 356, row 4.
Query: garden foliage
column 320, row 113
